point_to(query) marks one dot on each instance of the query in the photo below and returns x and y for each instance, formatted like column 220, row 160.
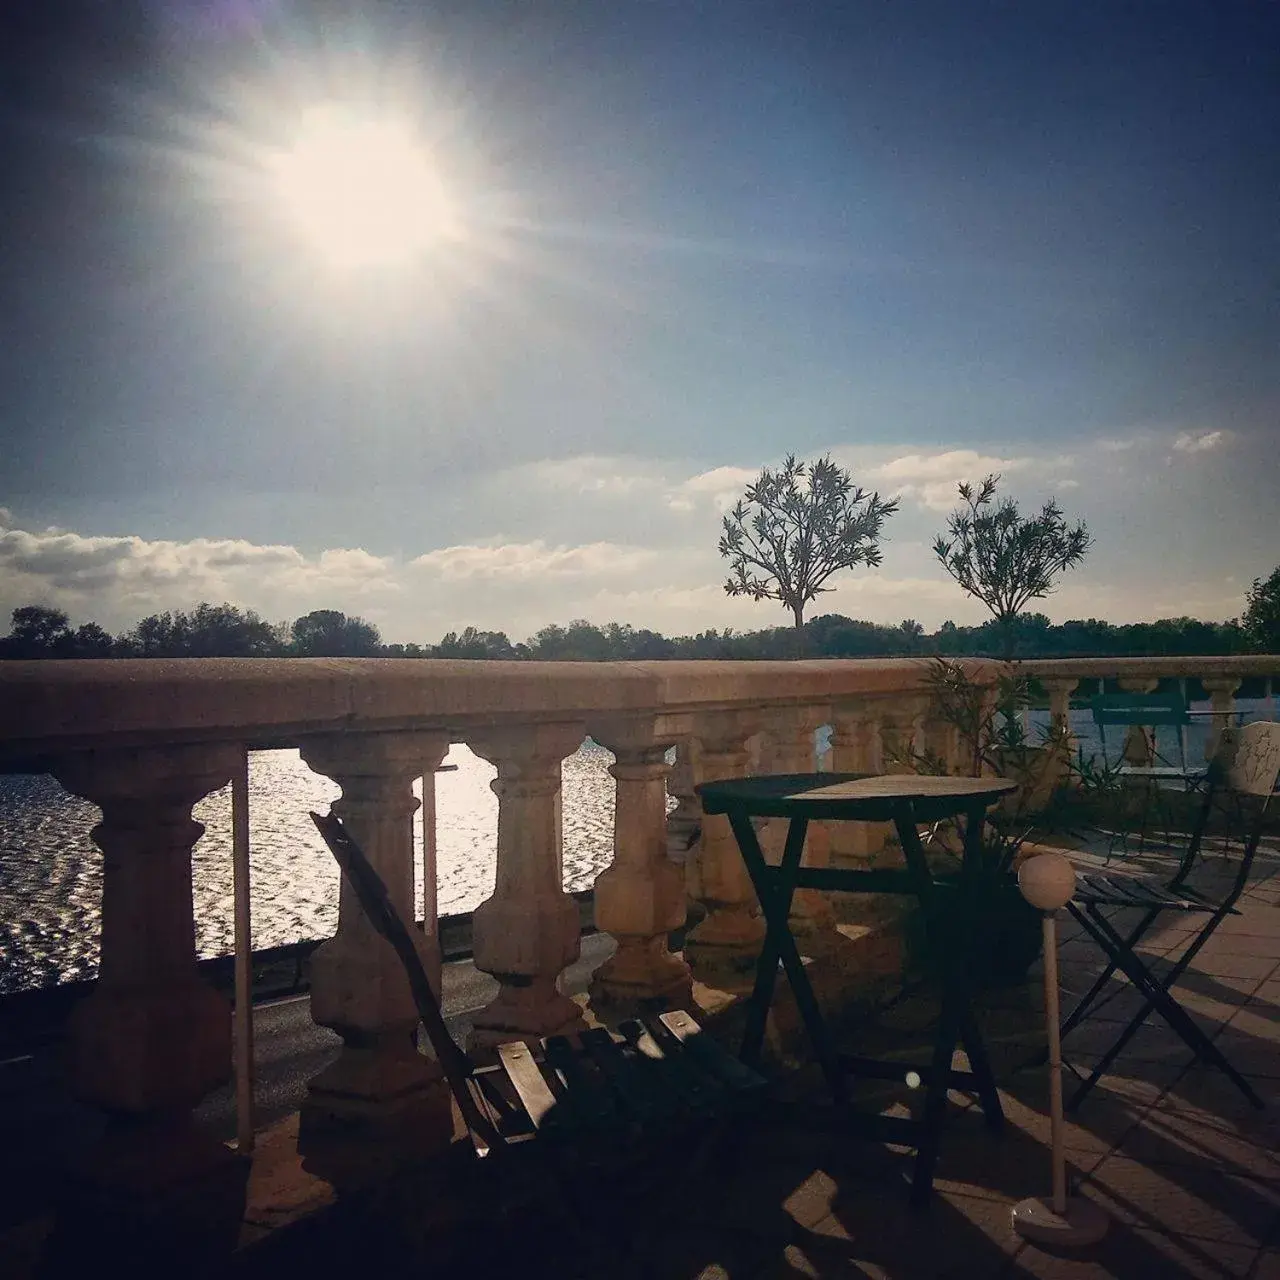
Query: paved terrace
column 1187, row 1172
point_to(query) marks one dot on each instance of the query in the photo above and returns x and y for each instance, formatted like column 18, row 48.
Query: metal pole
column 1050, row 927
column 430, row 880
column 244, row 957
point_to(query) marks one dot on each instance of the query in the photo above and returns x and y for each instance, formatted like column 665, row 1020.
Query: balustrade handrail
column 1242, row 665
column 57, row 706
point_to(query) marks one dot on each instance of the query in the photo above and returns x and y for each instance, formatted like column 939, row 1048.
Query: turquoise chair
column 1149, row 711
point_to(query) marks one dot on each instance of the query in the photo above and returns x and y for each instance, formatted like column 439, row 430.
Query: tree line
column 792, row 530
column 225, row 631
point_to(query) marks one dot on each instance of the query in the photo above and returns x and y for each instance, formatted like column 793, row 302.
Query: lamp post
column 1047, row 881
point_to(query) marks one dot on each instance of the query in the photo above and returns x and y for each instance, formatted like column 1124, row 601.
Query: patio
column 1187, row 1172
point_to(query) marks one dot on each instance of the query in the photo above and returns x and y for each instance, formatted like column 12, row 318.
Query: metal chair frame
column 1246, row 766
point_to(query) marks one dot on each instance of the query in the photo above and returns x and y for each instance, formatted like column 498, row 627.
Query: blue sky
column 935, row 239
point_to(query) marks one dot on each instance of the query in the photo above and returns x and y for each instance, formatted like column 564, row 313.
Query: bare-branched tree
column 795, row 527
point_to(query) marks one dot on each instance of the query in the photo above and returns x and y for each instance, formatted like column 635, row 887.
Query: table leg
column 956, row 1023
column 774, row 888
column 767, row 967
column 935, row 1103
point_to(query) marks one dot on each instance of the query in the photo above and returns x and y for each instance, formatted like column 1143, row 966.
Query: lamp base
column 1083, row 1223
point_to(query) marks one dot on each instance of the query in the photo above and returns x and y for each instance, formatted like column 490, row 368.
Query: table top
column 863, row 797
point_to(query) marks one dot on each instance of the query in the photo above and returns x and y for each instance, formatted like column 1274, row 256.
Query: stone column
column 528, row 931
column 152, row 1039
column 901, row 731
column 379, row 1084
column 1138, row 747
column 791, row 749
column 1060, row 689
column 855, row 748
column 725, row 944
column 684, row 822
column 640, row 897
column 1222, row 701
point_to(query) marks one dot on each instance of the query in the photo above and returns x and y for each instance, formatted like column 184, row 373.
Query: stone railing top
column 49, row 707
column 1240, row 664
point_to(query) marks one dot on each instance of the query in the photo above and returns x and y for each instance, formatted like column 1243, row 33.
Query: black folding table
column 948, row 911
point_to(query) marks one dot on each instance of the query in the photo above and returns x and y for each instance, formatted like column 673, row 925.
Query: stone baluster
column 855, row 748
column 1222, row 701
column 640, row 897
column 684, row 822
column 901, row 731
column 529, row 930
column 724, row 945
column 379, row 1084
column 941, row 742
column 790, row 748
column 152, row 1039
column 1139, row 748
column 1060, row 689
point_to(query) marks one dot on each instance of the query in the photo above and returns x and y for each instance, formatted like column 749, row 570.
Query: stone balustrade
column 146, row 740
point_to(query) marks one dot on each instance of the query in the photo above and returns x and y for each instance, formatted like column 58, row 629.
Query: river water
column 51, row 872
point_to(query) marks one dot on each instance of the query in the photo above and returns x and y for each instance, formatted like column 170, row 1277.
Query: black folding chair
column 598, row 1105
column 1243, row 774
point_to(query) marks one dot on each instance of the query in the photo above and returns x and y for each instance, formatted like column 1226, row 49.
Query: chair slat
column 696, row 1091
column 588, row 1099
column 527, row 1080
column 639, row 1081
column 707, row 1053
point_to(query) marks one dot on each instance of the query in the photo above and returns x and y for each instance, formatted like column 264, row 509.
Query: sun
column 359, row 188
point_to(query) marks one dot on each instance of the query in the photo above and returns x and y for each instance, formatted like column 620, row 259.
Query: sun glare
column 360, row 190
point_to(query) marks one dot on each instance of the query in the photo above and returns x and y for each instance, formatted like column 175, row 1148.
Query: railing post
column 855, row 748
column 684, row 822
column 901, row 732
column 726, row 943
column 1060, row 689
column 379, row 1083
column 152, row 1039
column 529, row 930
column 791, row 749
column 1139, row 750
column 1222, row 700
column 640, row 897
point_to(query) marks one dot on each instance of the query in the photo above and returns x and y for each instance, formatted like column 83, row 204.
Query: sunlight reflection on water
column 51, row 872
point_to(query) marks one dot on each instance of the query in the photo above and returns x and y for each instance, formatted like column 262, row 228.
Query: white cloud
column 931, row 479
column 1198, row 441
column 121, row 578
column 591, row 473
column 721, row 486
column 528, row 561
